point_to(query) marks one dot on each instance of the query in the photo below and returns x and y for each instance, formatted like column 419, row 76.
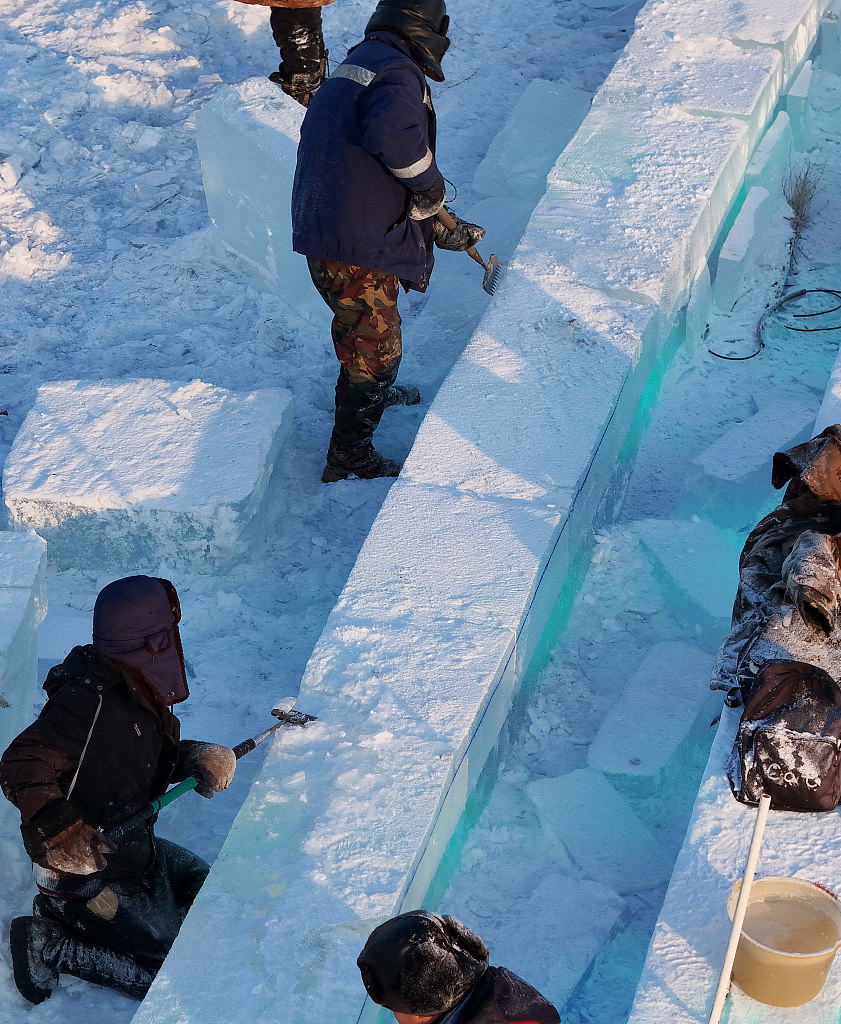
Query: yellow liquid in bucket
column 789, row 937
column 789, row 925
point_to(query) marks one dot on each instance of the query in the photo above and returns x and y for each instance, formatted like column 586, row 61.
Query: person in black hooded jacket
column 431, row 969
column 105, row 744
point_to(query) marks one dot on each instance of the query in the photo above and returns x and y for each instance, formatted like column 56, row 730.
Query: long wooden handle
column 741, row 909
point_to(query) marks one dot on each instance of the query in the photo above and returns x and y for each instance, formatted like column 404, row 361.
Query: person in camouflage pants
column 366, row 194
column 366, row 337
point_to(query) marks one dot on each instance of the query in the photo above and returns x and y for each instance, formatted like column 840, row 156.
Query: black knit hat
column 423, row 24
column 421, row 963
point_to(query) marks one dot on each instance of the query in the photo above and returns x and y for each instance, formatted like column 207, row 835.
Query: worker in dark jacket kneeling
column 105, row 744
column 426, row 968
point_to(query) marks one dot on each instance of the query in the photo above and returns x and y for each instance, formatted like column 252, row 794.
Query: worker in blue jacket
column 366, row 192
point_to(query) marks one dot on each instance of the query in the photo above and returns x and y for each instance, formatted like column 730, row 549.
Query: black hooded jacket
column 130, row 744
column 500, row 997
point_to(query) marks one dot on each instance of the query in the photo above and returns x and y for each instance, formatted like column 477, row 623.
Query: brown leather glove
column 213, row 765
column 78, row 850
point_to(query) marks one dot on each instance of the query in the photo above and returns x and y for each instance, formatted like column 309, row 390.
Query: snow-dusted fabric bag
column 789, row 740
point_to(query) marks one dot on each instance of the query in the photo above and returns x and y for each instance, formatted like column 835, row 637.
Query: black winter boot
column 43, row 949
column 303, row 58
column 397, row 394
column 28, row 939
column 362, row 461
column 300, row 85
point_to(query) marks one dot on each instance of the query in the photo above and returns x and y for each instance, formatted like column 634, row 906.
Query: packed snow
column 110, row 272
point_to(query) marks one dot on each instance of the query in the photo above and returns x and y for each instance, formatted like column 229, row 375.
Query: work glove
column 427, row 203
column 460, row 238
column 78, row 850
column 57, row 838
column 213, row 765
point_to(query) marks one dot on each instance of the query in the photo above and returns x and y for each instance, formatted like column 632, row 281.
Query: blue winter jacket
column 367, row 143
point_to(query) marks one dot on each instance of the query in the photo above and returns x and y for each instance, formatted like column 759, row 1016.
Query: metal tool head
column 284, row 712
column 493, row 269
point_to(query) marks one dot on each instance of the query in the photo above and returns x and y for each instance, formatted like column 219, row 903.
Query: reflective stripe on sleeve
column 413, row 170
column 355, row 73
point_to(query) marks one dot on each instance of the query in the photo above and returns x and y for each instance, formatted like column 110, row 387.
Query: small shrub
column 800, row 185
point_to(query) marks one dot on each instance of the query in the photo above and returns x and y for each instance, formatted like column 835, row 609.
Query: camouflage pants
column 367, row 340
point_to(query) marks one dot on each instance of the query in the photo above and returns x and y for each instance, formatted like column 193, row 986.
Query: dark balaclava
column 135, row 623
column 423, row 24
column 420, row 963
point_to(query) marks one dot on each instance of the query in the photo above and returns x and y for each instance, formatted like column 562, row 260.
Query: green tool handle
column 115, row 834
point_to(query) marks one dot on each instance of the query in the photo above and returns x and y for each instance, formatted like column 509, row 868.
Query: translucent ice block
column 599, row 830
column 23, row 604
column 121, row 475
column 829, row 58
column 543, row 121
column 797, row 103
column 773, row 154
column 531, row 942
column 737, row 245
column 672, row 685
column 247, row 137
column 749, row 446
column 699, row 569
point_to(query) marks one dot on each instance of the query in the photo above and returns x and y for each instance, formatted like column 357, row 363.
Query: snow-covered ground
column 107, row 271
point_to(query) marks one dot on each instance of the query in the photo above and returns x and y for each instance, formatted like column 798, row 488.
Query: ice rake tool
column 285, row 714
column 493, row 268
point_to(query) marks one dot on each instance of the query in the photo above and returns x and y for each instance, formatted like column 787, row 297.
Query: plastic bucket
column 791, row 932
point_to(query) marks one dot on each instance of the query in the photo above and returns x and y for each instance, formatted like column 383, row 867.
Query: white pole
column 741, row 908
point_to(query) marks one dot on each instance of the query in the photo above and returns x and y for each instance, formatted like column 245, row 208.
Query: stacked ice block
column 124, row 475
column 23, row 604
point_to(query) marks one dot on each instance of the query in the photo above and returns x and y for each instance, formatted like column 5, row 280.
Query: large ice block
column 783, row 25
column 247, row 137
column 528, row 942
column 772, row 156
column 543, row 121
column 125, row 475
column 668, row 699
column 698, row 85
column 23, row 604
column 699, row 562
column 829, row 58
column 748, row 447
column 737, row 245
column 797, row 103
column 599, row 830
column 734, row 472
